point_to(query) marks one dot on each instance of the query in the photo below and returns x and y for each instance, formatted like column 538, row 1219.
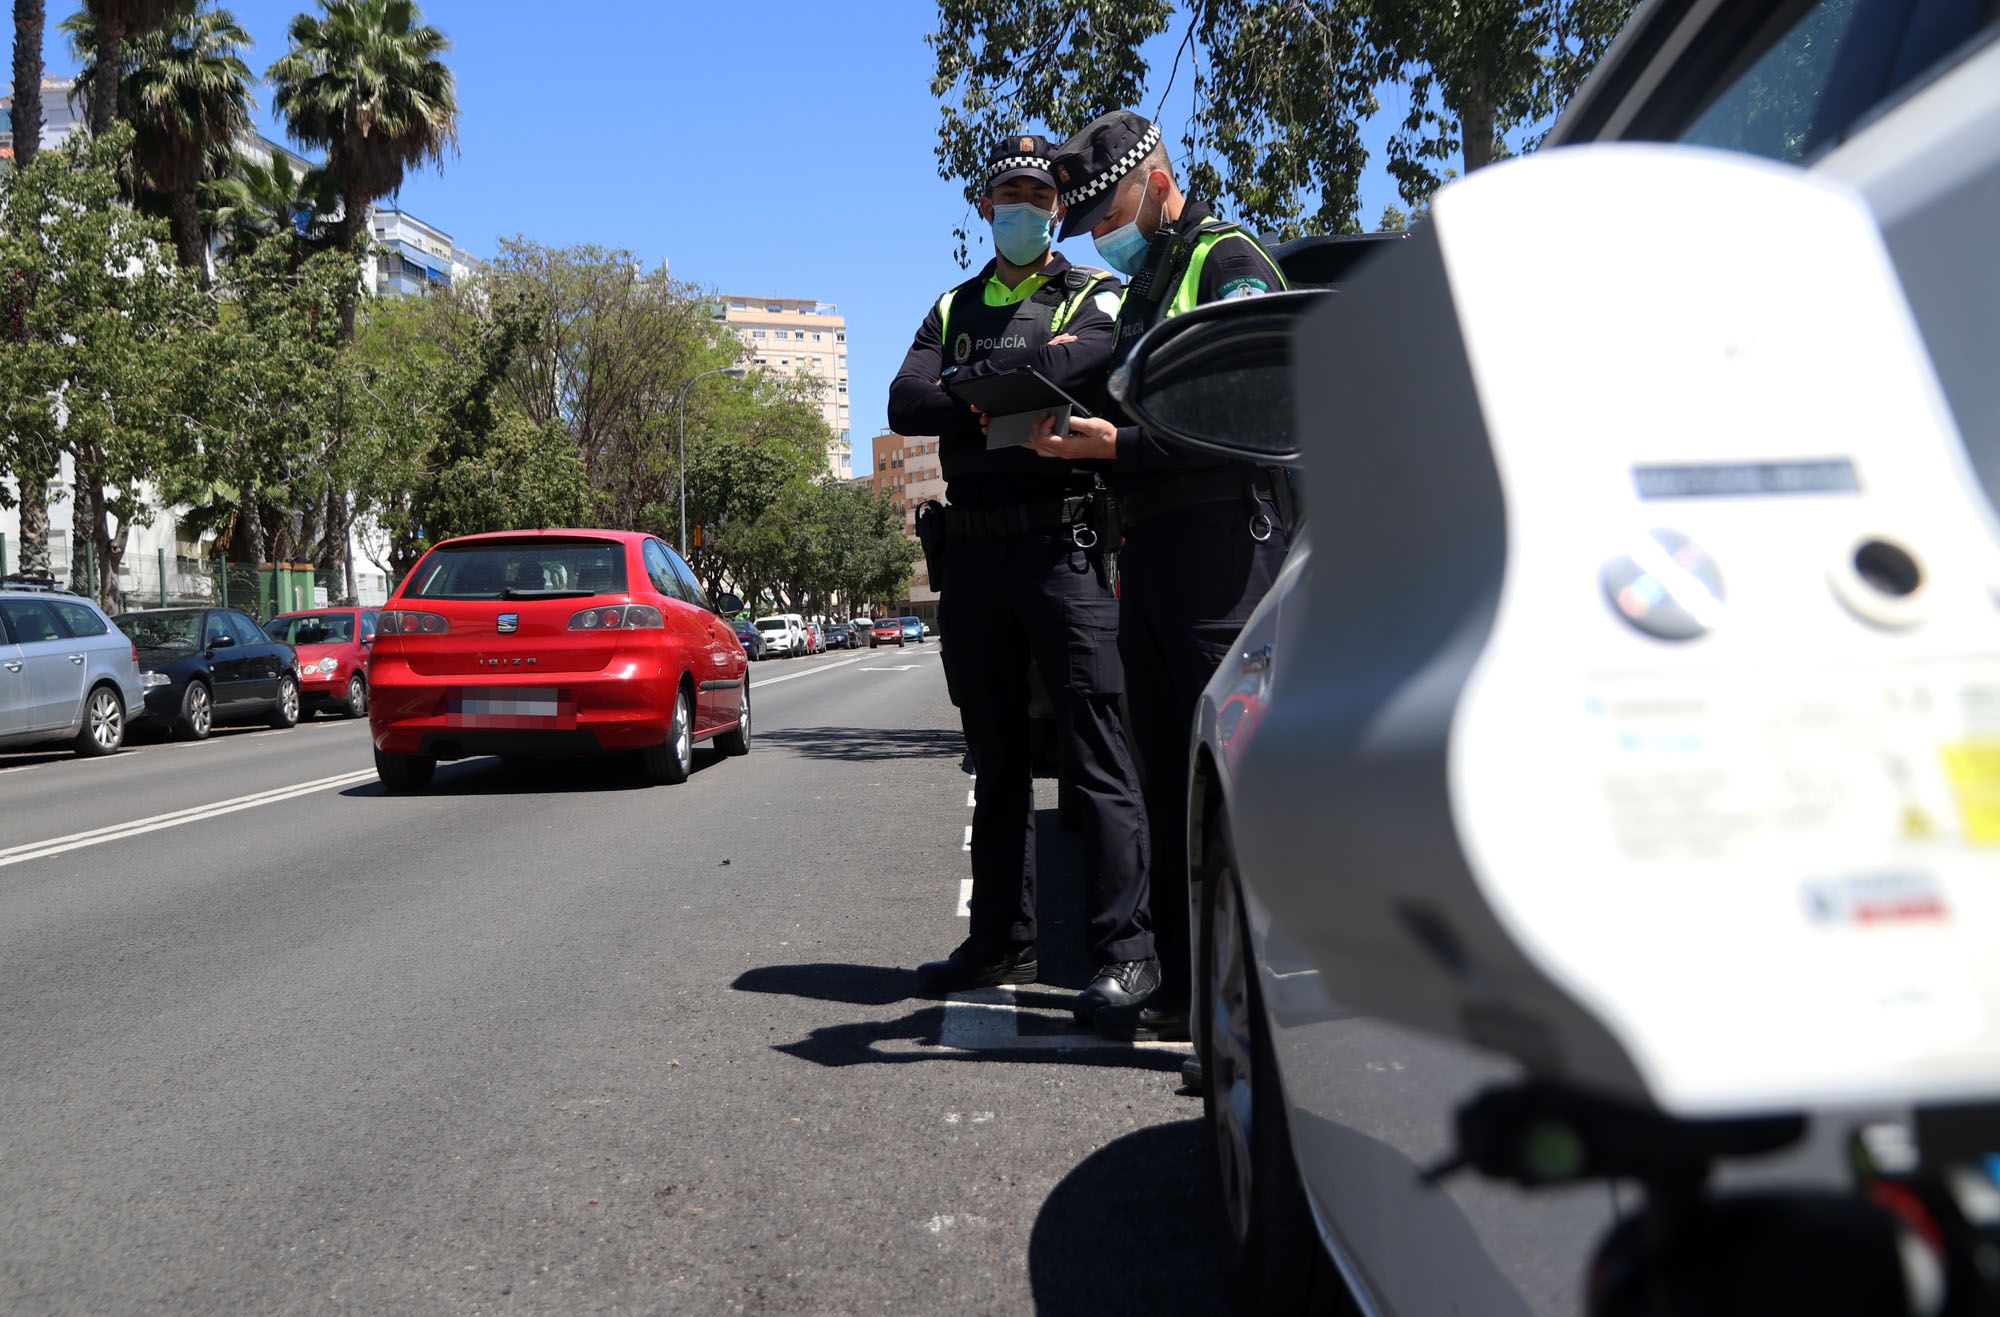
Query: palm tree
column 364, row 83
column 115, row 22
column 186, row 92
column 253, row 201
column 29, row 16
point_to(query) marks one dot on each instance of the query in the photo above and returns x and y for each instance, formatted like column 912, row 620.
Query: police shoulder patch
column 1245, row 287
column 1108, row 302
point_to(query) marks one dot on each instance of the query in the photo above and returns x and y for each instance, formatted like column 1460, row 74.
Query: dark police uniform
column 1025, row 578
column 1203, row 538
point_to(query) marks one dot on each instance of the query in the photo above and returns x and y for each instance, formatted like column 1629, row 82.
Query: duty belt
column 1193, row 490
column 1016, row 519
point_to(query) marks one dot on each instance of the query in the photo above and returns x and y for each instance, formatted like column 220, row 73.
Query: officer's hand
column 1088, row 437
column 1061, row 339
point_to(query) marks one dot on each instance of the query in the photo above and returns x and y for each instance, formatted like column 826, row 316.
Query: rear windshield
column 161, row 630
column 521, row 571
column 316, row 629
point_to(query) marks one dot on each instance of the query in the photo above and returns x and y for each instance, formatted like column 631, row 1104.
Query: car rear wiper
column 515, row 592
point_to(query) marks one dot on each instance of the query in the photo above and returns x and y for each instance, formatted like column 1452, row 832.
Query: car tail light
column 621, row 617
column 399, row 622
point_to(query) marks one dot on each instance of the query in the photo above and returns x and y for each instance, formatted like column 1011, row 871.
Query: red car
column 332, row 644
column 557, row 642
column 887, row 630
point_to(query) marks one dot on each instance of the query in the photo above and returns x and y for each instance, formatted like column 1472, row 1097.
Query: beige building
column 797, row 336
column 909, row 471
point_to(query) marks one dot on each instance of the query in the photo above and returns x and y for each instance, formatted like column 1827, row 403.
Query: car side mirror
column 1219, row 378
column 728, row 603
column 221, row 642
column 368, row 638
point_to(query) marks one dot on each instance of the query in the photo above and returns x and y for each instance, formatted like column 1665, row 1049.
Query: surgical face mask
column 1124, row 248
column 1022, row 232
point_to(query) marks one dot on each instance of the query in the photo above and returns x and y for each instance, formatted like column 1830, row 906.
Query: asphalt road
column 542, row 1039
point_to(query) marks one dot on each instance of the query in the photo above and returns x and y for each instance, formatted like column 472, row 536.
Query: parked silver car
column 1325, row 1116
column 66, row 674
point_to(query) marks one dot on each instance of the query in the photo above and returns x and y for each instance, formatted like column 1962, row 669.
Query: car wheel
column 1276, row 1263
column 738, row 741
column 672, row 760
column 103, row 730
column 404, row 772
column 285, row 713
column 197, row 716
column 357, row 696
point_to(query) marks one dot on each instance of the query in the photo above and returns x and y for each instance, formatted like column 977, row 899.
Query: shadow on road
column 915, row 1038
column 486, row 776
column 1132, row 1229
column 849, row 744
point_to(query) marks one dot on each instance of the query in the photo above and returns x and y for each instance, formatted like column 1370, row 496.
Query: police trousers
column 1188, row 580
column 1035, row 597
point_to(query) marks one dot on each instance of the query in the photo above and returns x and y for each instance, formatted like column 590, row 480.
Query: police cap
column 1090, row 165
column 1025, row 156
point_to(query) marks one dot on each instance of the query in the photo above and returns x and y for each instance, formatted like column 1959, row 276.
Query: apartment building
column 411, row 256
column 798, row 337
column 909, row 471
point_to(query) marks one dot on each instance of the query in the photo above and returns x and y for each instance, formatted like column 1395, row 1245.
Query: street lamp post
column 680, row 427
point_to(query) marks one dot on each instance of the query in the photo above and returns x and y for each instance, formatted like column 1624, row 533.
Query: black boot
column 1115, row 985
column 1162, row 1017
column 978, row 964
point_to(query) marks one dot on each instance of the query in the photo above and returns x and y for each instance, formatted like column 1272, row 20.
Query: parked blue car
column 751, row 639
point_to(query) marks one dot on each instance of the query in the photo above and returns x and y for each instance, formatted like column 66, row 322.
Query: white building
column 798, row 337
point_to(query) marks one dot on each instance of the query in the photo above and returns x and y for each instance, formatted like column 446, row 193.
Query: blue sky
column 775, row 148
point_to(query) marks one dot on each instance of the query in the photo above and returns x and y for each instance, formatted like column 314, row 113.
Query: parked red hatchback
column 333, row 656
column 560, row 642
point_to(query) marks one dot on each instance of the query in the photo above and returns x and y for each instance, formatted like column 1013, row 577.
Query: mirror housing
column 728, row 603
column 1218, row 378
column 223, row 641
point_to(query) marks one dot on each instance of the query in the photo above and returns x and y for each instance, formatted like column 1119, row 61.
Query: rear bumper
column 600, row 711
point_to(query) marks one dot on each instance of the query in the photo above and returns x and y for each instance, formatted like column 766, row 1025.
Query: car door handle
column 1257, row 660
column 13, row 667
column 76, row 659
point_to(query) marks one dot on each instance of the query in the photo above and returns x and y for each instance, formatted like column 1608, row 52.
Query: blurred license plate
column 504, row 706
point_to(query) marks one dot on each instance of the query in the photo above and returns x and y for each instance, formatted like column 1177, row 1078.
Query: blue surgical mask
column 1124, row 248
column 1022, row 232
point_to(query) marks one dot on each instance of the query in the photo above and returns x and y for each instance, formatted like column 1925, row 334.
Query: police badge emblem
column 1062, row 175
column 961, row 348
column 1027, row 146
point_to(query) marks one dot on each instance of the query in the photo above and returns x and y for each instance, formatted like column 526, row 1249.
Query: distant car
column 66, row 674
column 889, row 631
column 203, row 666
column 554, row 643
column 913, row 629
column 332, row 645
column 815, row 643
column 784, row 634
column 751, row 639
column 839, row 636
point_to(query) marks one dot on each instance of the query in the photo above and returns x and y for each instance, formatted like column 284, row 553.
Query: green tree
column 103, row 322
column 253, row 201
column 116, row 22
column 365, row 83
column 1281, row 87
column 31, row 476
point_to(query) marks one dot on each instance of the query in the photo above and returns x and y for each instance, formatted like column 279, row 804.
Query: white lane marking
column 812, row 672
column 965, row 898
column 37, row 850
column 971, row 798
column 905, row 667
column 133, row 753
column 988, row 1020
column 968, row 838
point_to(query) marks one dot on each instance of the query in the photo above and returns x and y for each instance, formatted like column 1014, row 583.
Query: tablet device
column 1012, row 400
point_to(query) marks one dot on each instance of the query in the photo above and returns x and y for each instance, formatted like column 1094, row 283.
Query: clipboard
column 1013, row 400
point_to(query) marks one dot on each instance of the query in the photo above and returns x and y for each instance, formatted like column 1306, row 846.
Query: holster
column 931, row 535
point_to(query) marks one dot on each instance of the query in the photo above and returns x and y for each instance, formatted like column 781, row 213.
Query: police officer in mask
column 1024, row 577
column 1204, row 538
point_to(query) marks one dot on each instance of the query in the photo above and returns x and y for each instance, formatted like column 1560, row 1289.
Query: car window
column 30, row 621
column 1770, row 109
column 79, row 619
column 311, row 629
column 215, row 628
column 368, row 618
column 693, row 592
column 661, row 572
column 160, row 630
column 247, row 631
column 495, row 571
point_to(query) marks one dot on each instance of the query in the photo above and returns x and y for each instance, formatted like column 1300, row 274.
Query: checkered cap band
column 999, row 167
column 1124, row 165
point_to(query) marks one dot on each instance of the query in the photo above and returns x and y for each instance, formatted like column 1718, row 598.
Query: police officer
column 1025, row 577
column 1203, row 537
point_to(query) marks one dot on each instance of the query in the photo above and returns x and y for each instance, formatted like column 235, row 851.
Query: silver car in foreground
column 1333, row 1129
column 66, row 674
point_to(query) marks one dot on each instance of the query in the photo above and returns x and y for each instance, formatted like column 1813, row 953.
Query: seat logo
column 506, row 662
column 509, row 623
